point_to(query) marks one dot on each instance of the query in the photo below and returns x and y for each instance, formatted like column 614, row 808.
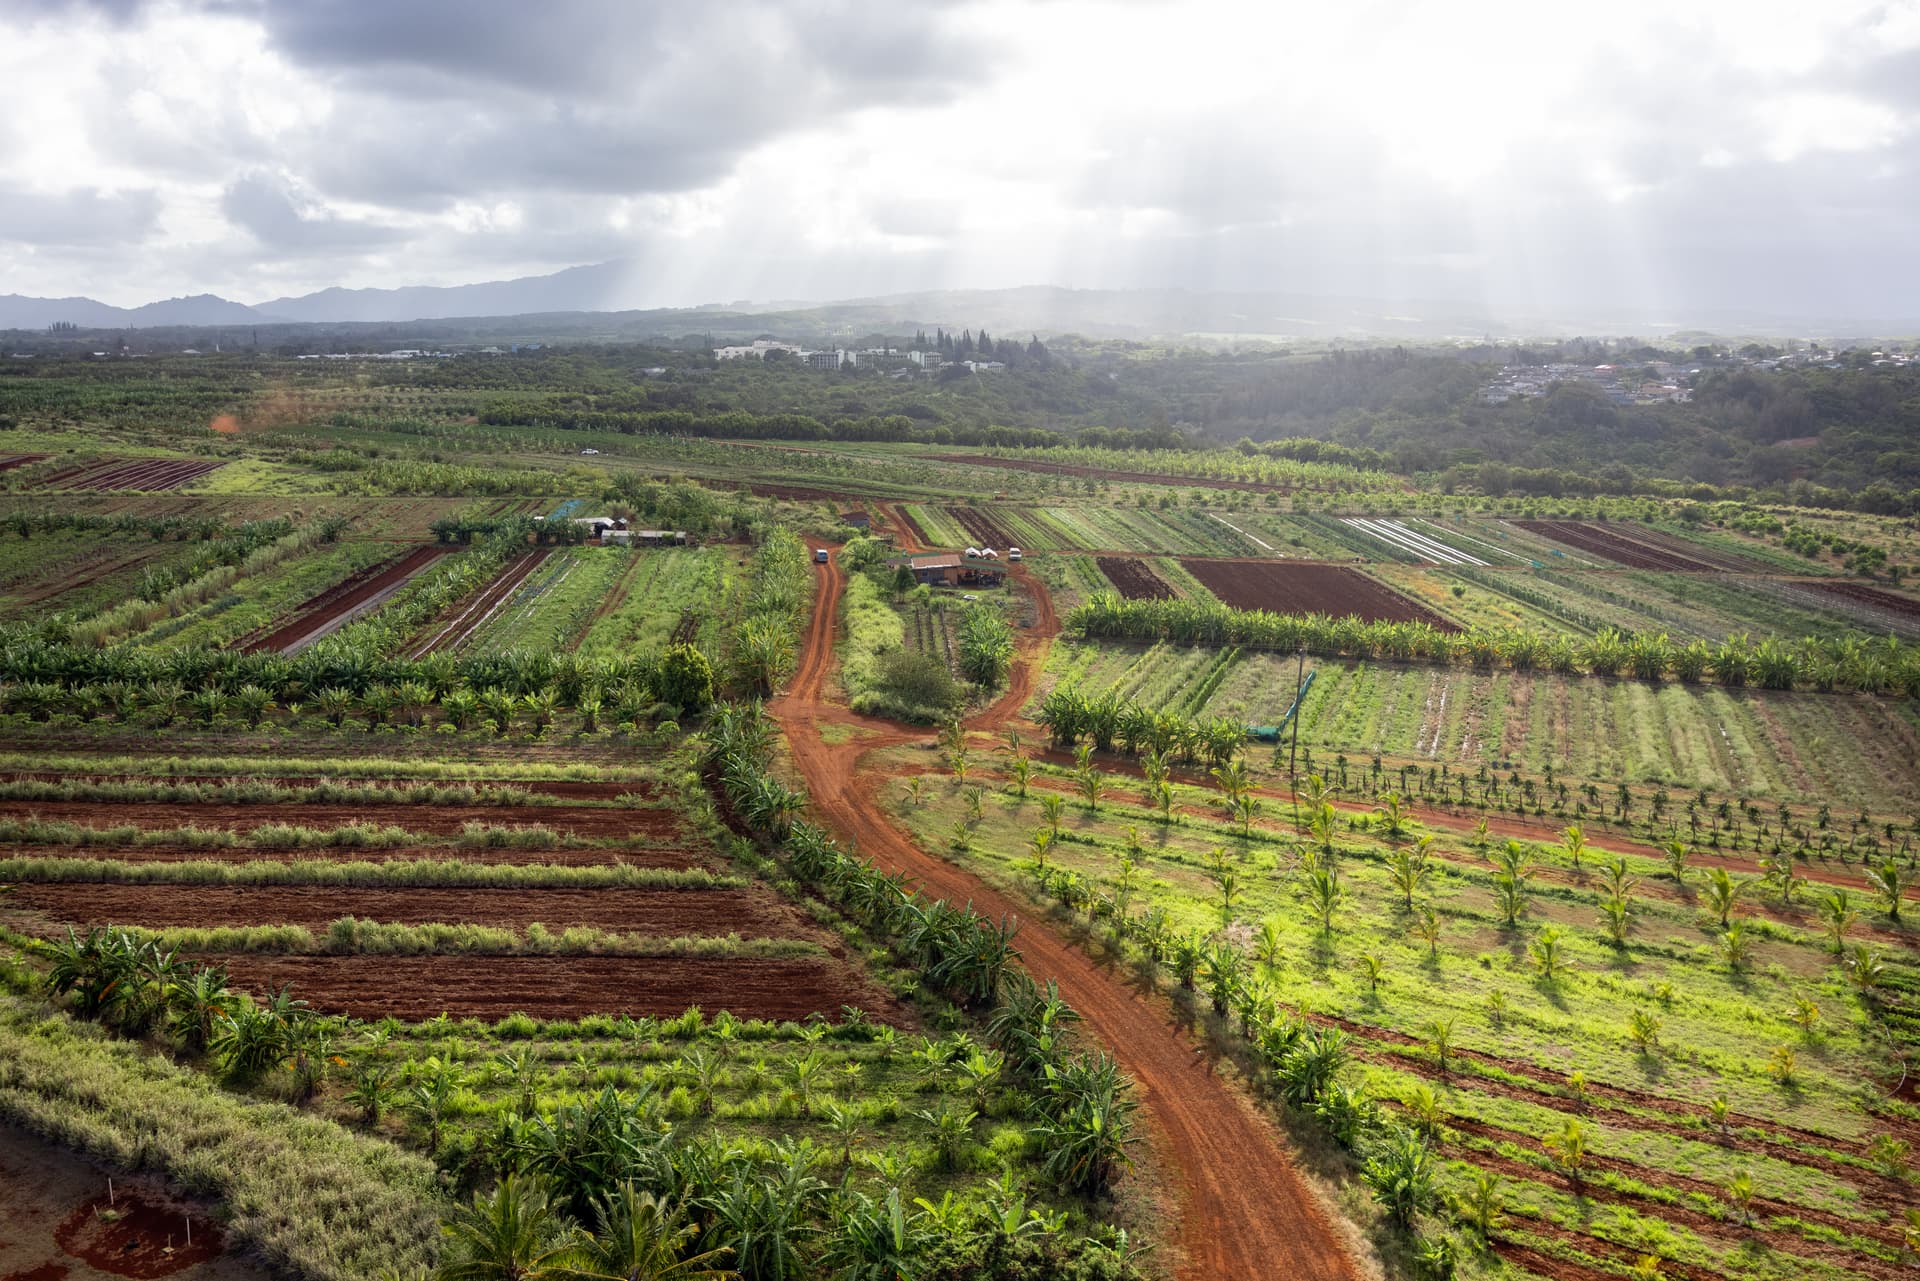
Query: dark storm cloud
column 449, row 99
column 270, row 209
column 84, row 216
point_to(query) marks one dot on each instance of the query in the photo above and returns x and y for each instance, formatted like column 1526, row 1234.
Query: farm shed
column 645, row 537
column 950, row 569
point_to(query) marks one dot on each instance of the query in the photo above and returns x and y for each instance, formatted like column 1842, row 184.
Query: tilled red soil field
column 573, row 789
column 327, row 611
column 981, row 526
column 10, row 461
column 1309, row 589
column 678, row 857
column 564, row 987
column 136, row 473
column 1905, row 606
column 669, row 913
column 581, row 820
column 468, row 618
column 1134, row 580
column 1611, row 544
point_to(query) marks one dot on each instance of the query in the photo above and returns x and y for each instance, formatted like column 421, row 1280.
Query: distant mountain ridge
column 583, row 296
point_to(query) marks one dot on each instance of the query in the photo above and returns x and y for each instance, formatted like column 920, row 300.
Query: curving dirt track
column 1247, row 1212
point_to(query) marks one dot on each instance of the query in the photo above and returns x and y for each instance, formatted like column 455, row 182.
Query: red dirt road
column 1247, row 1212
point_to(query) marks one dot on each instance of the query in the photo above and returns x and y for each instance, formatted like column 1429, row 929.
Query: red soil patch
column 666, row 856
column 605, row 822
column 11, row 461
column 1610, row 544
column 1309, row 589
column 135, row 1237
column 565, row 987
column 1856, row 594
column 318, row 614
column 982, row 527
column 140, row 473
column 668, row 913
column 1134, row 579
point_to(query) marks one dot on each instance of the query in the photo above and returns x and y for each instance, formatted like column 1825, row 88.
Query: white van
column 1013, row 554
column 820, row 556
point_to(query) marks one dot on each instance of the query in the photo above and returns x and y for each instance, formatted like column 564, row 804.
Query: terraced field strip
column 484, row 606
column 599, row 821
column 414, row 988
column 10, row 461
column 1134, row 579
column 697, row 913
column 142, row 473
column 1858, row 594
column 1292, row 587
column 1430, row 550
column 983, row 528
column 347, row 600
column 1610, row 544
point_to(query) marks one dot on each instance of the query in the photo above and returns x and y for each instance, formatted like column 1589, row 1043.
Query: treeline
column 1824, row 663
column 559, row 414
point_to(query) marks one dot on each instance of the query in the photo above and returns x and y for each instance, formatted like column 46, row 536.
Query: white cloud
column 1494, row 152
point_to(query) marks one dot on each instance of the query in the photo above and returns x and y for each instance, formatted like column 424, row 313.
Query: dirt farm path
column 1246, row 1211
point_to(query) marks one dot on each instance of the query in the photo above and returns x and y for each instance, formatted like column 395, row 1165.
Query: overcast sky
column 1671, row 158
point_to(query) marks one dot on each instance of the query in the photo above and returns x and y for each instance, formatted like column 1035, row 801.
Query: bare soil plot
column 1612, row 544
column 799, row 493
column 1293, row 588
column 338, row 605
column 565, row 987
column 10, row 461
column 1134, row 579
column 1855, row 593
column 471, row 617
column 665, row 855
column 51, row 1228
column 441, row 820
column 668, row 913
column 136, row 473
column 983, row 527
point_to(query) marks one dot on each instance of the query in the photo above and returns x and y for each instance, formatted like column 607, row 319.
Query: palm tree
column 514, row 1234
column 1051, row 807
column 1427, row 926
column 1439, row 1034
column 1408, row 872
column 1392, row 817
column 1736, row 948
column 1568, row 1148
column 1889, row 881
column 1547, row 954
column 1574, row 841
column 1510, row 897
column 1723, row 892
column 1836, row 914
column 639, row 1238
column 1323, row 896
column 1020, row 772
column 1677, row 856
